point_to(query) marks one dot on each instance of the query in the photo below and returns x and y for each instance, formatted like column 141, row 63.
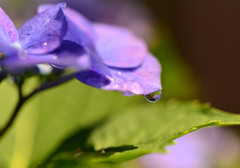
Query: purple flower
column 104, row 56
column 39, row 40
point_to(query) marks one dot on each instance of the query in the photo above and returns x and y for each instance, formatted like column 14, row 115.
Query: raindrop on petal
column 22, row 54
column 153, row 97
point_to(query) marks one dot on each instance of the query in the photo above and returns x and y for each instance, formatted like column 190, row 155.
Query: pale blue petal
column 119, row 47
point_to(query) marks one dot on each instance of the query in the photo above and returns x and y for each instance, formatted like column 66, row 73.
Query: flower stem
column 51, row 84
column 22, row 99
column 16, row 110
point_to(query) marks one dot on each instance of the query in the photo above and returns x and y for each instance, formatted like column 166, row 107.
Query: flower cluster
column 103, row 56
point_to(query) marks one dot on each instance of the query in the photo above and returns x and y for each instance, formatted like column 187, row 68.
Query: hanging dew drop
column 154, row 97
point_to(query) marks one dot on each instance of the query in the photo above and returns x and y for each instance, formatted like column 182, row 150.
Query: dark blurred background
column 207, row 35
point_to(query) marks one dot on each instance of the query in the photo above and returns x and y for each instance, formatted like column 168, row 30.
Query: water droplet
column 119, row 73
column 153, row 97
column 45, row 43
column 22, row 54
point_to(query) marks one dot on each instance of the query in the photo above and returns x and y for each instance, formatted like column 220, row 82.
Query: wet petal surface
column 140, row 81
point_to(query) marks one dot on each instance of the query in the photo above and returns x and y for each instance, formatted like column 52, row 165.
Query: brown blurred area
column 207, row 34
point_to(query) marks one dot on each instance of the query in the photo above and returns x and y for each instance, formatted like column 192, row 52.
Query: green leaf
column 48, row 118
column 55, row 123
column 147, row 129
column 66, row 160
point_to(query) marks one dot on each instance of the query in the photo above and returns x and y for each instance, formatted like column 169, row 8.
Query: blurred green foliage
column 50, row 117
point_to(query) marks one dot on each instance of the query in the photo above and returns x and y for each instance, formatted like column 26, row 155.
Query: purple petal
column 76, row 56
column 77, row 35
column 80, row 21
column 140, row 81
column 23, row 61
column 6, row 47
column 7, row 28
column 44, row 33
column 8, row 34
column 80, row 32
column 79, row 25
column 75, row 17
column 92, row 78
column 97, row 74
column 20, row 61
column 118, row 47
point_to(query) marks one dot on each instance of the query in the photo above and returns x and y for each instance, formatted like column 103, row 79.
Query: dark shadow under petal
column 68, row 54
column 93, row 78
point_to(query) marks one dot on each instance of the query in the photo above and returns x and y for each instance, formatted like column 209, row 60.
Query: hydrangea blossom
column 39, row 40
column 103, row 56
